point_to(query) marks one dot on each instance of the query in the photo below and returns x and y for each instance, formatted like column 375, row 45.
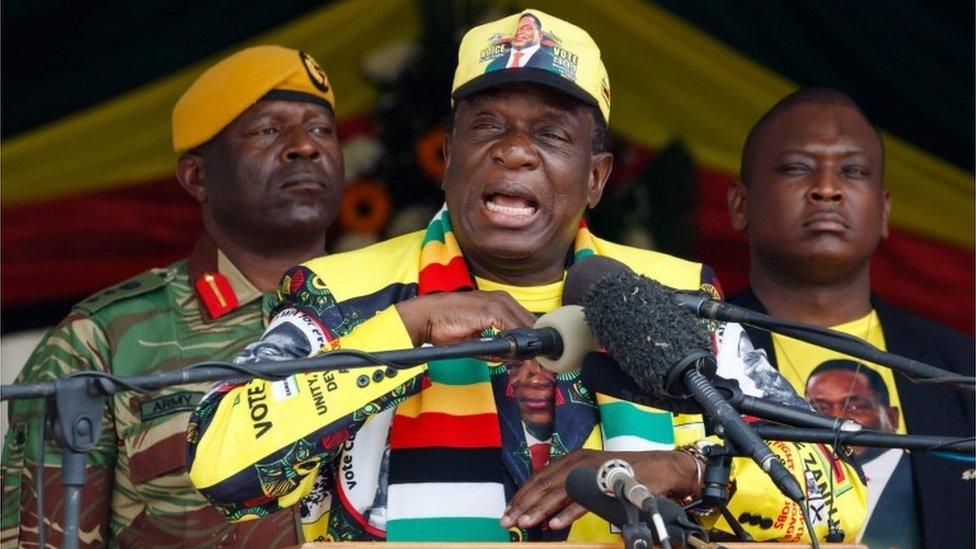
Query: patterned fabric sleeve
column 256, row 447
column 834, row 487
column 306, row 321
column 76, row 344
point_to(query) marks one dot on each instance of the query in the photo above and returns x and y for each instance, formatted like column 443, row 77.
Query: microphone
column 582, row 487
column 577, row 338
column 666, row 352
column 703, row 306
column 569, row 320
column 583, row 275
column 616, row 476
column 602, row 374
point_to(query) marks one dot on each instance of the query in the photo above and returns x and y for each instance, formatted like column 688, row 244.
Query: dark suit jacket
column 541, row 59
column 946, row 503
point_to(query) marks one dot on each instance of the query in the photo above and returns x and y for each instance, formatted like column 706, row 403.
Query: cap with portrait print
column 532, row 46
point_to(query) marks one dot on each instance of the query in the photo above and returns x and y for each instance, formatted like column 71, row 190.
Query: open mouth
column 510, row 205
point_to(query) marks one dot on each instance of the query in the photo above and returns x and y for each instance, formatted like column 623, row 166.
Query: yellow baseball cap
column 533, row 46
column 231, row 86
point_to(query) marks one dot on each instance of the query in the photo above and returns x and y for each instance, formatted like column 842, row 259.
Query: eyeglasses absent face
column 842, row 407
column 846, row 394
column 527, row 34
column 534, row 389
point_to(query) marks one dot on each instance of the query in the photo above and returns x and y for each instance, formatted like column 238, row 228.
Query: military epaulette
column 216, row 293
column 139, row 284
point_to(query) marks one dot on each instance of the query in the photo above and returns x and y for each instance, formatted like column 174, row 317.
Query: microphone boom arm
column 918, row 372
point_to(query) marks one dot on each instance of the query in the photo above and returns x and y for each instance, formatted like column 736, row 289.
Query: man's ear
column 600, row 167
column 446, row 149
column 892, row 412
column 191, row 172
column 736, row 198
column 885, row 212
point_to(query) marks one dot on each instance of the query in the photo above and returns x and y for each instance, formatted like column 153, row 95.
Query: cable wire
column 805, row 509
column 116, row 380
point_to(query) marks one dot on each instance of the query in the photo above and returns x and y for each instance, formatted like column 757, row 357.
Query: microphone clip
column 701, row 360
column 715, row 486
column 526, row 343
column 636, row 533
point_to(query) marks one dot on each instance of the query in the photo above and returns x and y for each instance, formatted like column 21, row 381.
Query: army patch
column 182, row 401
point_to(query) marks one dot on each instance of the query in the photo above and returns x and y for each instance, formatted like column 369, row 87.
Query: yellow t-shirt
column 796, row 359
column 536, row 299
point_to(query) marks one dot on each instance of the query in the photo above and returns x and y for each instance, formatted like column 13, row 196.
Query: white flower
column 387, row 62
column 361, row 153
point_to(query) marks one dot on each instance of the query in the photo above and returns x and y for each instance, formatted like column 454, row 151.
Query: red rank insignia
column 217, row 295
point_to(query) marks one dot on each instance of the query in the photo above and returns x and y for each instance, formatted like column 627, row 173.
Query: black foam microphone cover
column 584, row 274
column 636, row 320
column 601, row 374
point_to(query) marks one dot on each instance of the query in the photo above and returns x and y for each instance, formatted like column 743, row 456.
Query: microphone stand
column 715, row 486
column 635, row 531
column 582, row 487
column 780, row 413
column 76, row 402
column 867, row 437
column 716, row 477
column 715, row 493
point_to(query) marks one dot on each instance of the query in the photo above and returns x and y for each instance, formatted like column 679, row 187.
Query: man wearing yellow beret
column 258, row 150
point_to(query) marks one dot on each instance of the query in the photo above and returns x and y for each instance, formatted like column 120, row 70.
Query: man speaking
column 469, row 450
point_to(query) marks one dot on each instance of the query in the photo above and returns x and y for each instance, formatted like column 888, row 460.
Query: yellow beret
column 565, row 58
column 231, row 86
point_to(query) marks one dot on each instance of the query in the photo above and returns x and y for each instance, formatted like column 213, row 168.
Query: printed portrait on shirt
column 851, row 390
column 534, row 390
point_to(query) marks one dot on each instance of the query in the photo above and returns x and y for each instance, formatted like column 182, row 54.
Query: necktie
column 515, row 59
column 540, row 455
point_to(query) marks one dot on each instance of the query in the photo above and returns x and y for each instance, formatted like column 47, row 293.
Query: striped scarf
column 446, row 476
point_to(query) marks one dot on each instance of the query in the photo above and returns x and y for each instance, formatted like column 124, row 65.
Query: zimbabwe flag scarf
column 446, row 465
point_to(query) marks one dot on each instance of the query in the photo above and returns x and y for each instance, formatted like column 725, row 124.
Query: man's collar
column 246, row 292
column 220, row 286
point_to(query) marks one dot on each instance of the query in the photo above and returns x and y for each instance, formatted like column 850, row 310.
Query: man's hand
column 668, row 473
column 448, row 318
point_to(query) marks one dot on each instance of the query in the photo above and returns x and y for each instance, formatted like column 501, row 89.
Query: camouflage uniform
column 137, row 492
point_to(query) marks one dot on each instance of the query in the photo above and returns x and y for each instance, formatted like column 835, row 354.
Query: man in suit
column 526, row 49
column 812, row 200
